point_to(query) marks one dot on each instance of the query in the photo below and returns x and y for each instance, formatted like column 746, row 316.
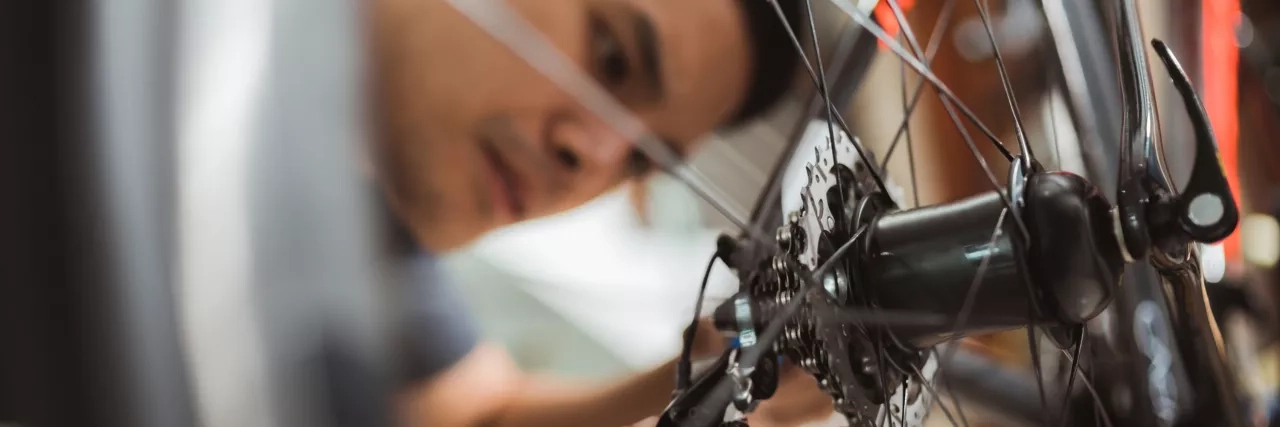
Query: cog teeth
column 804, row 229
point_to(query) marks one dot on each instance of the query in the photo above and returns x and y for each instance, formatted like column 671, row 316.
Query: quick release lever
column 1206, row 209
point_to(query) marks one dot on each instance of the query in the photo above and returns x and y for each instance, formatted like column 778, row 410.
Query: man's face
column 475, row 138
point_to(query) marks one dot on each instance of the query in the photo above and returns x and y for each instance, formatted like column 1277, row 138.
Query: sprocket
column 840, row 356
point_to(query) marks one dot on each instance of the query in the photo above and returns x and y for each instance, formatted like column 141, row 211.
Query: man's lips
column 506, row 184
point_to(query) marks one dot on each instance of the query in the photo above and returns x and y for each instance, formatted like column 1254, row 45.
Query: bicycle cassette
column 867, row 385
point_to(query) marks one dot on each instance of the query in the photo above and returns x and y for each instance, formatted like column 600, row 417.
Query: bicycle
column 861, row 293
column 125, row 272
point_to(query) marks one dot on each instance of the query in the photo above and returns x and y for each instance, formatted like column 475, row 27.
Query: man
column 473, row 138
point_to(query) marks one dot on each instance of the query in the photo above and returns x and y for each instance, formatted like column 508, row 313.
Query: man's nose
column 588, row 150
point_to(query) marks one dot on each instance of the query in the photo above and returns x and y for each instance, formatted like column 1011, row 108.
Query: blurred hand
column 647, row 422
column 798, row 401
column 709, row 342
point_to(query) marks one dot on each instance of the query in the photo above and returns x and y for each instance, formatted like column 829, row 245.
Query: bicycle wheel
column 859, row 291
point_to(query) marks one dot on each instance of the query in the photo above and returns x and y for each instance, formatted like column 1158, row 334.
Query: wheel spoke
column 879, row 316
column 734, row 155
column 812, row 284
column 822, row 87
column 955, row 398
column 838, row 254
column 505, row 25
column 920, row 375
column 979, row 276
column 939, row 31
column 1071, row 376
column 936, row 396
column 1053, row 131
column 911, row 152
column 1097, row 399
column 943, row 91
column 970, row 296
column 820, row 83
column 940, row 27
column 683, row 366
column 986, row 169
column 902, row 414
column 947, row 105
column 1008, row 86
column 773, row 184
column 881, row 357
column 1034, row 344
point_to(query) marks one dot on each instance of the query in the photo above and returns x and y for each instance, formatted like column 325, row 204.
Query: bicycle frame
column 89, row 331
column 1162, row 326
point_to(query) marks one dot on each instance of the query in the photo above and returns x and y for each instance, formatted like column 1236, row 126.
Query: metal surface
column 41, row 376
column 96, row 342
column 1159, row 346
column 284, row 294
column 317, row 286
column 1217, row 398
column 132, row 195
column 844, row 358
column 1085, row 55
column 1138, row 154
column 847, row 67
column 1156, row 353
column 219, row 83
column 927, row 259
column 1010, row 394
column 1157, row 356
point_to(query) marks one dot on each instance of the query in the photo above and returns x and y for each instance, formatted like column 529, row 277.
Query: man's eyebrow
column 647, row 43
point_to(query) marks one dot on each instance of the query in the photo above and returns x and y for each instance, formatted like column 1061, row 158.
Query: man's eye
column 608, row 56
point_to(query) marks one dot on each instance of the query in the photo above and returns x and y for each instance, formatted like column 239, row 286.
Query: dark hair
column 774, row 55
